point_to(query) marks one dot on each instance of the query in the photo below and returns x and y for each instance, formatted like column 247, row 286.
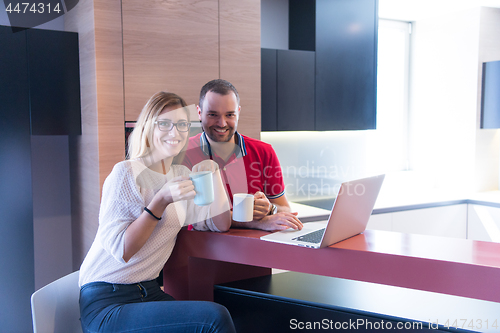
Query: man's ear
column 238, row 112
column 199, row 112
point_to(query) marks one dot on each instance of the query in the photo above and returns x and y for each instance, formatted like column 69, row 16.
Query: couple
column 147, row 199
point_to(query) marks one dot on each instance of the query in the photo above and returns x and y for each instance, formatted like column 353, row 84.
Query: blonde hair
column 140, row 139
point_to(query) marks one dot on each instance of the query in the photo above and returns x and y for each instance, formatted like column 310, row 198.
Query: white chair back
column 55, row 308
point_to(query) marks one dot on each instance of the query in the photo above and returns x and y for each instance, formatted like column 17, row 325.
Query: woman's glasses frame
column 166, row 125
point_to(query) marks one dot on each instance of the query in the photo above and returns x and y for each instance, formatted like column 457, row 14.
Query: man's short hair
column 218, row 86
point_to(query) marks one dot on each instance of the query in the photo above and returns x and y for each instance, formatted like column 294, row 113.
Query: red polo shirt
column 252, row 167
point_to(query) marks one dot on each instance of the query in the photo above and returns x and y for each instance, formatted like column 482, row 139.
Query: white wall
column 487, row 140
column 443, row 98
column 446, row 142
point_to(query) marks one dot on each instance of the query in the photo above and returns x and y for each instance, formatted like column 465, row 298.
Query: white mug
column 242, row 207
column 203, row 186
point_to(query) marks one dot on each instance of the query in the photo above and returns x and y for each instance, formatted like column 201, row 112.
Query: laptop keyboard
column 312, row 237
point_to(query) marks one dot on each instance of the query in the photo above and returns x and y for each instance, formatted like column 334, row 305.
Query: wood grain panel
column 84, row 149
column 168, row 45
column 102, row 143
column 109, row 77
column 240, row 58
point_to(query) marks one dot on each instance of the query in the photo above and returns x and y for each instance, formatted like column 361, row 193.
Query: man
column 247, row 165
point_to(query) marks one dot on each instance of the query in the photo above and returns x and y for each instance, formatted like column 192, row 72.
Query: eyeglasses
column 167, row 125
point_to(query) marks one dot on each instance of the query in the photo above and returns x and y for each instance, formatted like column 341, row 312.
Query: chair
column 55, row 307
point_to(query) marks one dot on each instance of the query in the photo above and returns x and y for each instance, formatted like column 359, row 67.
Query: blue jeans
column 144, row 307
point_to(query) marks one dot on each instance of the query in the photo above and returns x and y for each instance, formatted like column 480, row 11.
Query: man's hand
column 261, row 206
column 278, row 221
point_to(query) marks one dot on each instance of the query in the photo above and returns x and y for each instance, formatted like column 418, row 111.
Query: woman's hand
column 177, row 189
column 205, row 165
column 138, row 232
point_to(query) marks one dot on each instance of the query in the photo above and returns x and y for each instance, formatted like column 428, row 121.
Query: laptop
column 350, row 214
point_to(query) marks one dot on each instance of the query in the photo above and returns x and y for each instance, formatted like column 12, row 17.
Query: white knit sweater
column 128, row 189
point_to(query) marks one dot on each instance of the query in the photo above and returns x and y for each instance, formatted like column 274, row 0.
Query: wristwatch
column 273, row 209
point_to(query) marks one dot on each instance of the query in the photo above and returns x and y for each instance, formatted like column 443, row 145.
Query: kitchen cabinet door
column 40, row 106
column 269, row 105
column 16, row 229
column 54, row 82
column 346, row 64
column 168, row 45
column 295, row 90
column 483, row 223
column 239, row 58
column 287, row 90
column 446, row 221
column 380, row 222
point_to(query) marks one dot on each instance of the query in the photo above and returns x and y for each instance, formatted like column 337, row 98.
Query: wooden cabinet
column 287, row 90
column 168, row 45
column 179, row 46
column 239, row 58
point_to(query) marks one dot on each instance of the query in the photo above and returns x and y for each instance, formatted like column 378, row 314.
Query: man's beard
column 216, row 138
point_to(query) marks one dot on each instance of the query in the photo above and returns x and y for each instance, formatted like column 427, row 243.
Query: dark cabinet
column 334, row 60
column 47, row 70
column 16, row 226
column 295, row 90
column 54, row 82
column 346, row 64
column 287, row 90
column 291, row 301
column 39, row 95
column 269, row 105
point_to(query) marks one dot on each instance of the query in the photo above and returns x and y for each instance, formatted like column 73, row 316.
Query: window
column 391, row 139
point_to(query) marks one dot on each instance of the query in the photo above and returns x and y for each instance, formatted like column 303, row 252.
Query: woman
column 145, row 202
